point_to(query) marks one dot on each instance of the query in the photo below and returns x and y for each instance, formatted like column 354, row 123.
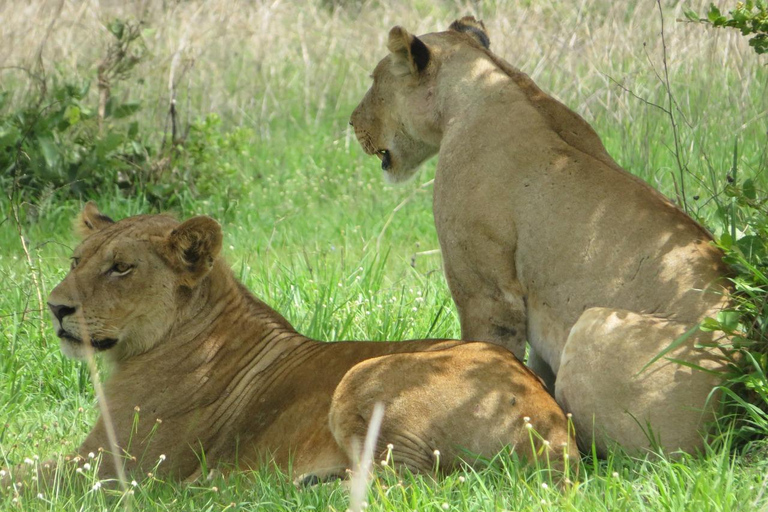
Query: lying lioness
column 546, row 239
column 233, row 382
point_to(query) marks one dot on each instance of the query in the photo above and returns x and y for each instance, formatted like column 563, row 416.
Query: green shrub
column 744, row 240
column 55, row 144
column 202, row 164
column 751, row 17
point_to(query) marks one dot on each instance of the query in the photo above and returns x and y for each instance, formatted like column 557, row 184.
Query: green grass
column 311, row 228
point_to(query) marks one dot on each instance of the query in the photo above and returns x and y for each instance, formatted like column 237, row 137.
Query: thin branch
column 675, row 132
column 635, row 95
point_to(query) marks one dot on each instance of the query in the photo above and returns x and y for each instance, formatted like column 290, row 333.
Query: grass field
column 312, row 229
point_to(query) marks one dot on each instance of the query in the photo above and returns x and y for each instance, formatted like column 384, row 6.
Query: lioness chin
column 545, row 239
column 233, row 382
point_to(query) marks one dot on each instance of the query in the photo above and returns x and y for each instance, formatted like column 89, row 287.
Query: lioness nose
column 60, row 310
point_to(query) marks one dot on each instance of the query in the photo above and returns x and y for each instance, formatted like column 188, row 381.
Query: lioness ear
column 409, row 53
column 473, row 28
column 192, row 248
column 90, row 221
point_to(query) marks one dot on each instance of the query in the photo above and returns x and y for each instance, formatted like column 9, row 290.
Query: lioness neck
column 475, row 83
column 221, row 315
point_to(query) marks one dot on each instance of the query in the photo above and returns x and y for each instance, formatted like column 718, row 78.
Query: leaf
column 710, row 324
column 691, row 15
column 728, row 320
column 9, row 136
column 125, row 110
column 749, row 189
column 117, row 27
column 138, row 149
column 714, row 14
column 49, row 151
column 109, row 143
column 752, row 247
column 72, row 114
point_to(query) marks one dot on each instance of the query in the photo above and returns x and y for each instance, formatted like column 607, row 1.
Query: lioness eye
column 73, row 263
column 120, row 269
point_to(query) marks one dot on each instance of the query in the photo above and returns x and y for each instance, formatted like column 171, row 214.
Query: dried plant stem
column 32, row 269
column 361, row 475
column 101, row 398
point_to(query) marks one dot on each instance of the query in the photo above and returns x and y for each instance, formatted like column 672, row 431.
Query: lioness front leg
column 486, row 312
column 613, row 400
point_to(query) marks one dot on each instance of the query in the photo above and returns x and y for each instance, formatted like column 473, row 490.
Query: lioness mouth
column 104, row 344
column 386, row 159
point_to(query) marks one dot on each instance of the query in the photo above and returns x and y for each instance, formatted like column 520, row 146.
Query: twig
column 28, row 256
column 681, row 199
column 635, row 95
column 39, row 58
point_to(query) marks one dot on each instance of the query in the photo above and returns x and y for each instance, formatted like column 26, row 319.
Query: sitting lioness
column 545, row 239
column 233, row 382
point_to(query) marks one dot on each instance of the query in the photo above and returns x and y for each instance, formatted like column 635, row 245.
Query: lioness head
column 129, row 281
column 399, row 119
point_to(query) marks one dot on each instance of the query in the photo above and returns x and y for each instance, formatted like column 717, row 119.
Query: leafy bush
column 66, row 141
column 751, row 17
column 200, row 165
column 55, row 143
column 744, row 240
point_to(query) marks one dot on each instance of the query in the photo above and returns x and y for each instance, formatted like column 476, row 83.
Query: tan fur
column 545, row 239
column 214, row 372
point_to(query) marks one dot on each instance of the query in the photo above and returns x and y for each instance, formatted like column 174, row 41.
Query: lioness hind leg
column 468, row 401
column 613, row 400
